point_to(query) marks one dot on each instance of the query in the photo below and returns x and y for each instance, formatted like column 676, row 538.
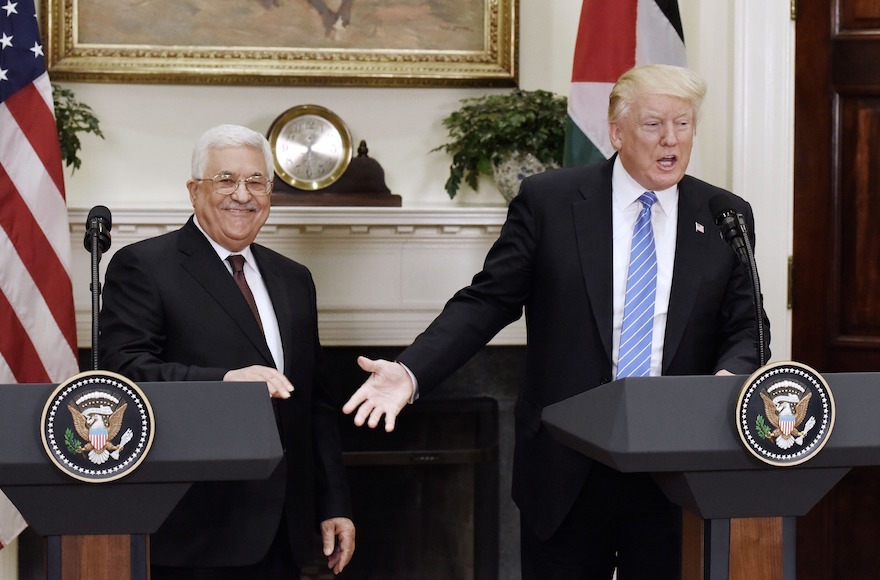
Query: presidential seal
column 97, row 426
column 785, row 413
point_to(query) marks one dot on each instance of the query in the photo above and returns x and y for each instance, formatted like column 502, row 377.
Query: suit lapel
column 690, row 251
column 200, row 260
column 592, row 218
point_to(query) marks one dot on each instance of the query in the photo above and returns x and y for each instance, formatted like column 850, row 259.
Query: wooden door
column 836, row 273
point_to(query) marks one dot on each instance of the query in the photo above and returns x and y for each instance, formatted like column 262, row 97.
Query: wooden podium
column 739, row 512
column 204, row 431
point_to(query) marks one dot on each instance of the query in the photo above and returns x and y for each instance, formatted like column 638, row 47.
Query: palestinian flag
column 614, row 36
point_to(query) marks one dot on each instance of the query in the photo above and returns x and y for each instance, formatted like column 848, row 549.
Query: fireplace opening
column 425, row 497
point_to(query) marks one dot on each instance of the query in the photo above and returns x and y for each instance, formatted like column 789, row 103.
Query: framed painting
column 289, row 42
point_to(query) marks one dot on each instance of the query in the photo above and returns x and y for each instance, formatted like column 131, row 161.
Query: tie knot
column 648, row 198
column 237, row 262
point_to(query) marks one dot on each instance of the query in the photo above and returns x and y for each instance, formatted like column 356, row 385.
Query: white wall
column 149, row 129
column 9, row 561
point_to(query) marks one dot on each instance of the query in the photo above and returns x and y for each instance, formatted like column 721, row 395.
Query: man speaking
column 621, row 273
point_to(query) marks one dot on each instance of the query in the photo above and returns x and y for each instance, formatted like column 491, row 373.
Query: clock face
column 311, row 145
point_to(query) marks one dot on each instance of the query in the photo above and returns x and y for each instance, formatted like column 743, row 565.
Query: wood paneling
column 858, row 320
column 860, row 14
column 755, row 548
column 96, row 557
column 692, row 546
column 836, row 274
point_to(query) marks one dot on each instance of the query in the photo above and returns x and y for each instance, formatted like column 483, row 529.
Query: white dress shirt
column 261, row 296
column 625, row 208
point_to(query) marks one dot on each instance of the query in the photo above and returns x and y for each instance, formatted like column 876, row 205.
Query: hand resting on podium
column 279, row 386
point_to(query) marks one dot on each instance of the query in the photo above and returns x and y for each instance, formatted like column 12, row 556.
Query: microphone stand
column 96, row 242
column 758, row 298
column 95, row 287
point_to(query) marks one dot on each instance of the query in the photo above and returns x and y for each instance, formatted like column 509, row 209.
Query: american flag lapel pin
column 699, row 227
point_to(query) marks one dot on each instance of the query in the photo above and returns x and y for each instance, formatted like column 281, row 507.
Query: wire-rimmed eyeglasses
column 226, row 184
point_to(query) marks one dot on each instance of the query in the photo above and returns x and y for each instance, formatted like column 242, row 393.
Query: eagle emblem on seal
column 785, row 404
column 97, row 418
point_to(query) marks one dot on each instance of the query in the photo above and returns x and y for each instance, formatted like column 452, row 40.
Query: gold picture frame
column 283, row 42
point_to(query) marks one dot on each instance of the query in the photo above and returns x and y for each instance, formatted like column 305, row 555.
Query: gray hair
column 225, row 136
column 655, row 79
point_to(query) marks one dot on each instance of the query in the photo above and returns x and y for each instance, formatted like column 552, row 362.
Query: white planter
column 513, row 168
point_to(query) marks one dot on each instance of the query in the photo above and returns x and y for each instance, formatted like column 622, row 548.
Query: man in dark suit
column 564, row 255
column 175, row 309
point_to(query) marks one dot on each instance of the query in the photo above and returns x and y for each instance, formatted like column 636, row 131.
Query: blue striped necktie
column 634, row 356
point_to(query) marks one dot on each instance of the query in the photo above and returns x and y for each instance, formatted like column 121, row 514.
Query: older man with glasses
column 205, row 303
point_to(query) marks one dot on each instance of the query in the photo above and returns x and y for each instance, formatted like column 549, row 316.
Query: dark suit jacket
column 172, row 312
column 554, row 258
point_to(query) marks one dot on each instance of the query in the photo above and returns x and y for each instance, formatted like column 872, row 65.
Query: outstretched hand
column 386, row 392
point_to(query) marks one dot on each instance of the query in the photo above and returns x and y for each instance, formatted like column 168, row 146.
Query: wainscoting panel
column 382, row 274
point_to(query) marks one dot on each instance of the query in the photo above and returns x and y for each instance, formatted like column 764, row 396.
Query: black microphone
column 732, row 225
column 98, row 225
column 735, row 232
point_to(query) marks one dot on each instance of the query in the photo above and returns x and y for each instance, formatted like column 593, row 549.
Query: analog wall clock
column 311, row 146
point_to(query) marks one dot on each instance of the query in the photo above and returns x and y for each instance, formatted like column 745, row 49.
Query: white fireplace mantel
column 382, row 274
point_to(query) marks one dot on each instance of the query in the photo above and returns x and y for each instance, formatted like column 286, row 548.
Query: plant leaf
column 484, row 129
column 72, row 117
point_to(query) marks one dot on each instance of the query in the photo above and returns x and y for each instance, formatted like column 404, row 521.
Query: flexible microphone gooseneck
column 97, row 241
column 735, row 232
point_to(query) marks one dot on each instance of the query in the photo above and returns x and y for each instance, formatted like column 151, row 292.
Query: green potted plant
column 72, row 117
column 506, row 136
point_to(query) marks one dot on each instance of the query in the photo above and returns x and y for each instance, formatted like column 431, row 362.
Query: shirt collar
column 626, row 190
column 222, row 252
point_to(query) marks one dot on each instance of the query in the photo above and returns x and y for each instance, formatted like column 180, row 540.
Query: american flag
column 37, row 326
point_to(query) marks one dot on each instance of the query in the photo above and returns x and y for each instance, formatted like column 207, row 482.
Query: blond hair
column 655, row 79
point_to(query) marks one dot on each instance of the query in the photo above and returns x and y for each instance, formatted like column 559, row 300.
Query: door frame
column 763, row 55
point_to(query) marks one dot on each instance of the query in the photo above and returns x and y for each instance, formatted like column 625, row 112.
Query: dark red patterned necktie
column 237, row 262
